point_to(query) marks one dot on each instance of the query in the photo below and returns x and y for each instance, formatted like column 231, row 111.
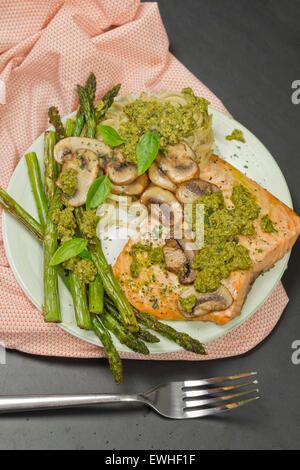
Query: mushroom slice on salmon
column 219, row 299
column 157, row 290
column 179, row 256
column 162, row 205
column 189, row 191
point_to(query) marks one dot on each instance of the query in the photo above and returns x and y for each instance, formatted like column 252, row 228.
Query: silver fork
column 177, row 400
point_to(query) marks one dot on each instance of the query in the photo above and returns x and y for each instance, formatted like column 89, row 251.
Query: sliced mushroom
column 163, row 205
column 178, row 169
column 159, row 178
column 190, row 191
column 174, row 257
column 86, row 163
column 156, row 195
column 220, row 299
column 132, row 189
column 111, row 160
column 179, row 256
column 180, row 150
column 71, row 145
column 120, row 171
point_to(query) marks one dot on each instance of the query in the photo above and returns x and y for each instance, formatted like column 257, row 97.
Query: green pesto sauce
column 65, row 222
column 236, row 134
column 222, row 253
column 69, row 181
column 89, row 223
column 267, row 225
column 172, row 123
column 188, row 303
column 84, row 268
column 144, row 255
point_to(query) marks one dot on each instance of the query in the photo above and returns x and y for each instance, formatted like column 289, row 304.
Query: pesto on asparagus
column 51, row 307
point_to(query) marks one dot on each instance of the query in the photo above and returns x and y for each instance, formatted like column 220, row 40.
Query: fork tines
column 191, row 405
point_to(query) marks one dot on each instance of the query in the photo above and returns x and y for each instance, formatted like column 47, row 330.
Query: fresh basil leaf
column 146, row 151
column 110, row 136
column 85, row 254
column 67, row 250
column 98, row 192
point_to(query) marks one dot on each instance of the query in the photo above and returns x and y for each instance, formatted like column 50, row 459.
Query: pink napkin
column 46, row 48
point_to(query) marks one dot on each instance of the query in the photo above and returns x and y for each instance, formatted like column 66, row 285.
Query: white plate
column 24, row 253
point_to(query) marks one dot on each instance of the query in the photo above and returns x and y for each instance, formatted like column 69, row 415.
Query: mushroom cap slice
column 157, row 195
column 87, row 167
column 180, row 150
column 179, row 169
column 70, row 145
column 190, row 191
column 120, row 171
column 174, row 256
column 189, row 247
column 179, row 255
column 132, row 189
column 162, row 204
column 159, row 178
column 219, row 299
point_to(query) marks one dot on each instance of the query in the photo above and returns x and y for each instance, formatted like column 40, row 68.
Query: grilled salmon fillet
column 156, row 290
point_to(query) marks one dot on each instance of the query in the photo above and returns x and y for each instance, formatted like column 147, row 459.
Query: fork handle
column 43, row 402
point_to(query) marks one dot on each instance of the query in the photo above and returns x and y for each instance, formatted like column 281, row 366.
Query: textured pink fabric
column 46, row 48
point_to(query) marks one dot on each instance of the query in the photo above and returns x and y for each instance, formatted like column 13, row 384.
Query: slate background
column 248, row 54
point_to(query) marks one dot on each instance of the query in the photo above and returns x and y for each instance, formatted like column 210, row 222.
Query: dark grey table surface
column 248, row 54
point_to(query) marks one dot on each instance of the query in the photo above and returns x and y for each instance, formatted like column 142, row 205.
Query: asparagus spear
column 91, row 89
column 142, row 334
column 51, row 308
column 112, row 287
column 110, row 351
column 182, row 339
column 79, row 123
column 96, row 294
column 50, row 173
column 55, row 120
column 106, row 102
column 69, row 127
column 109, row 281
column 88, row 111
column 145, row 335
column 123, row 335
column 34, row 173
column 13, row 208
column 78, row 291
